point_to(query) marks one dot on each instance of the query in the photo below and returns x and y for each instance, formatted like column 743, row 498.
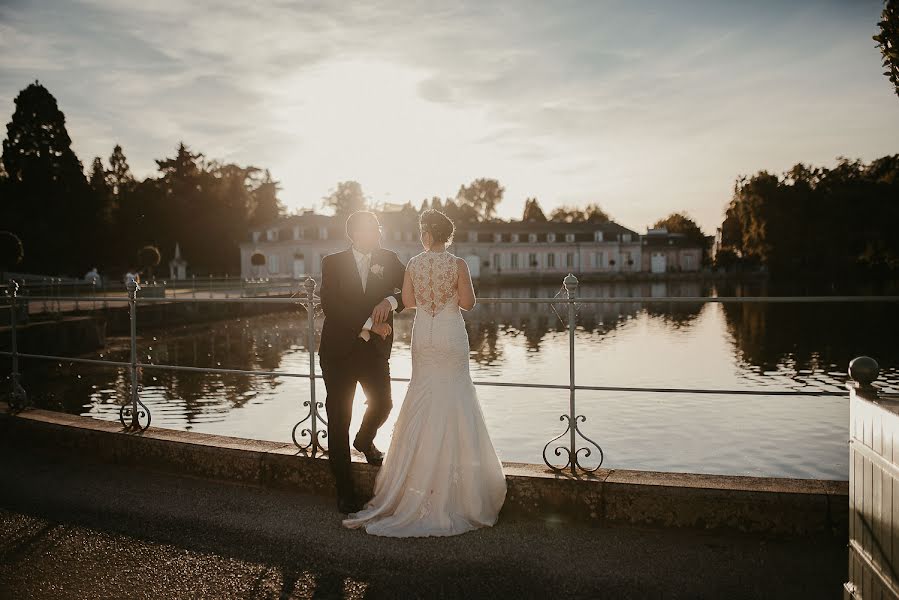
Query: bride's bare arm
column 408, row 291
column 465, row 288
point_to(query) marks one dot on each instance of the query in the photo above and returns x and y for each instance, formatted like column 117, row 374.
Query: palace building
column 293, row 247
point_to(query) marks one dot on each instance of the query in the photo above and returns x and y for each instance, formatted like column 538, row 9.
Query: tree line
column 809, row 220
column 816, row 222
column 66, row 221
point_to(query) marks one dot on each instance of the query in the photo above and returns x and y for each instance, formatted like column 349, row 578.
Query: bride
column 441, row 475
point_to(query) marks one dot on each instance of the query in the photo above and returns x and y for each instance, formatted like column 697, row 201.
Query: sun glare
column 367, row 121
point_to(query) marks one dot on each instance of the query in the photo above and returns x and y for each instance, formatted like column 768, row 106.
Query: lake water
column 759, row 347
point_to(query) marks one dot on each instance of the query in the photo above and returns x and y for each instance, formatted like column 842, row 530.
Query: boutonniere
column 377, row 270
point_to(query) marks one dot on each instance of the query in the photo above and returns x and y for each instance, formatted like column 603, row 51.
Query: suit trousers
column 362, row 364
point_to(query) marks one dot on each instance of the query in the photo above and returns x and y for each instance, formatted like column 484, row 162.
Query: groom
column 361, row 288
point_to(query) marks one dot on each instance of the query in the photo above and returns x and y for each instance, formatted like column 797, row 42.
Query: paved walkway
column 78, row 529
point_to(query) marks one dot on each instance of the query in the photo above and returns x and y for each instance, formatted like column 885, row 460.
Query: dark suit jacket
column 347, row 307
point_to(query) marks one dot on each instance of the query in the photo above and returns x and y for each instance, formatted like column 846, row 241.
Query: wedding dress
column 441, row 475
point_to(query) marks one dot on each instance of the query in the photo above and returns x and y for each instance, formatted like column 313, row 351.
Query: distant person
column 92, row 276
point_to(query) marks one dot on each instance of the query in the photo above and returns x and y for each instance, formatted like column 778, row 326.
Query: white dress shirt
column 363, row 264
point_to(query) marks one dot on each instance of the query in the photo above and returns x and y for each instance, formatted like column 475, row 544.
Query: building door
column 658, row 262
column 474, row 265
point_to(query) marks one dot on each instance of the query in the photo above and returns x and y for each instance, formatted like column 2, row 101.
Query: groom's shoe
column 372, row 454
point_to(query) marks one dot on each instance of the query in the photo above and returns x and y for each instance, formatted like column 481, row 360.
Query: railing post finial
column 571, row 283
column 864, row 370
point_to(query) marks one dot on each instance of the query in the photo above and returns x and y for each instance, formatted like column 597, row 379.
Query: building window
column 551, row 260
column 550, row 237
column 514, row 237
column 569, row 260
column 497, row 237
column 256, row 235
column 273, row 263
column 514, row 257
column 297, row 232
column 625, row 237
column 532, row 237
column 496, row 261
column 272, row 235
column 599, row 260
column 569, row 237
column 322, row 233
column 532, row 260
column 597, row 236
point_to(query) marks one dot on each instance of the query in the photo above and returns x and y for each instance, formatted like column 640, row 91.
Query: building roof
column 547, row 227
column 403, row 220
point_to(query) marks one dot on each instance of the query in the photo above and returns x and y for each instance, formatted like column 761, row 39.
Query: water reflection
column 763, row 347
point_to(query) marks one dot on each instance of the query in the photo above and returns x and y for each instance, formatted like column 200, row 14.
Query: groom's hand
column 381, row 311
column 382, row 329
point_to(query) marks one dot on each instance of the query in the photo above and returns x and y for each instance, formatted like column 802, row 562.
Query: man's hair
column 356, row 219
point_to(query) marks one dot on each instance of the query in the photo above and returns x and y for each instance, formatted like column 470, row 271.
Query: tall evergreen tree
column 47, row 195
column 266, row 204
column 119, row 176
column 532, row 212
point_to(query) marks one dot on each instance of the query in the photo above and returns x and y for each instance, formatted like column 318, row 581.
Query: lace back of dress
column 435, row 278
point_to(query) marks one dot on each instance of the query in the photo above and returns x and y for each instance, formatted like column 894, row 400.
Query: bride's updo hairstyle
column 438, row 225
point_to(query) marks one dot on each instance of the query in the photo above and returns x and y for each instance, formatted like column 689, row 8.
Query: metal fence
column 312, row 428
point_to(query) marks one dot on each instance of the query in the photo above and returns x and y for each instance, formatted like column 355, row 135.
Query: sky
column 645, row 108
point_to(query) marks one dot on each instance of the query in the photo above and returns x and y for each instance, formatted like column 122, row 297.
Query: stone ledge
column 779, row 506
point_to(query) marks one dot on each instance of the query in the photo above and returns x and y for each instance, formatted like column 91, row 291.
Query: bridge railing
column 309, row 432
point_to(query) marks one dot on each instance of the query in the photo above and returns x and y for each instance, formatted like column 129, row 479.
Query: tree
column 37, row 147
column 888, row 41
column 346, row 198
column 592, row 213
column 104, row 206
column 680, row 222
column 97, row 179
column 460, row 213
column 119, row 177
column 266, row 205
column 532, row 212
column 482, row 196
column 46, row 196
column 817, row 222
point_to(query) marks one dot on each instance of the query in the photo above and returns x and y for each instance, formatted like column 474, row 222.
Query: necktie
column 363, row 266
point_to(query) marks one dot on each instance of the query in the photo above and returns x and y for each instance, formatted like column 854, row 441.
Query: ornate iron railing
column 309, row 432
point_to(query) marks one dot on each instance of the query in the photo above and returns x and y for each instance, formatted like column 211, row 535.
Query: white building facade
column 294, row 246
